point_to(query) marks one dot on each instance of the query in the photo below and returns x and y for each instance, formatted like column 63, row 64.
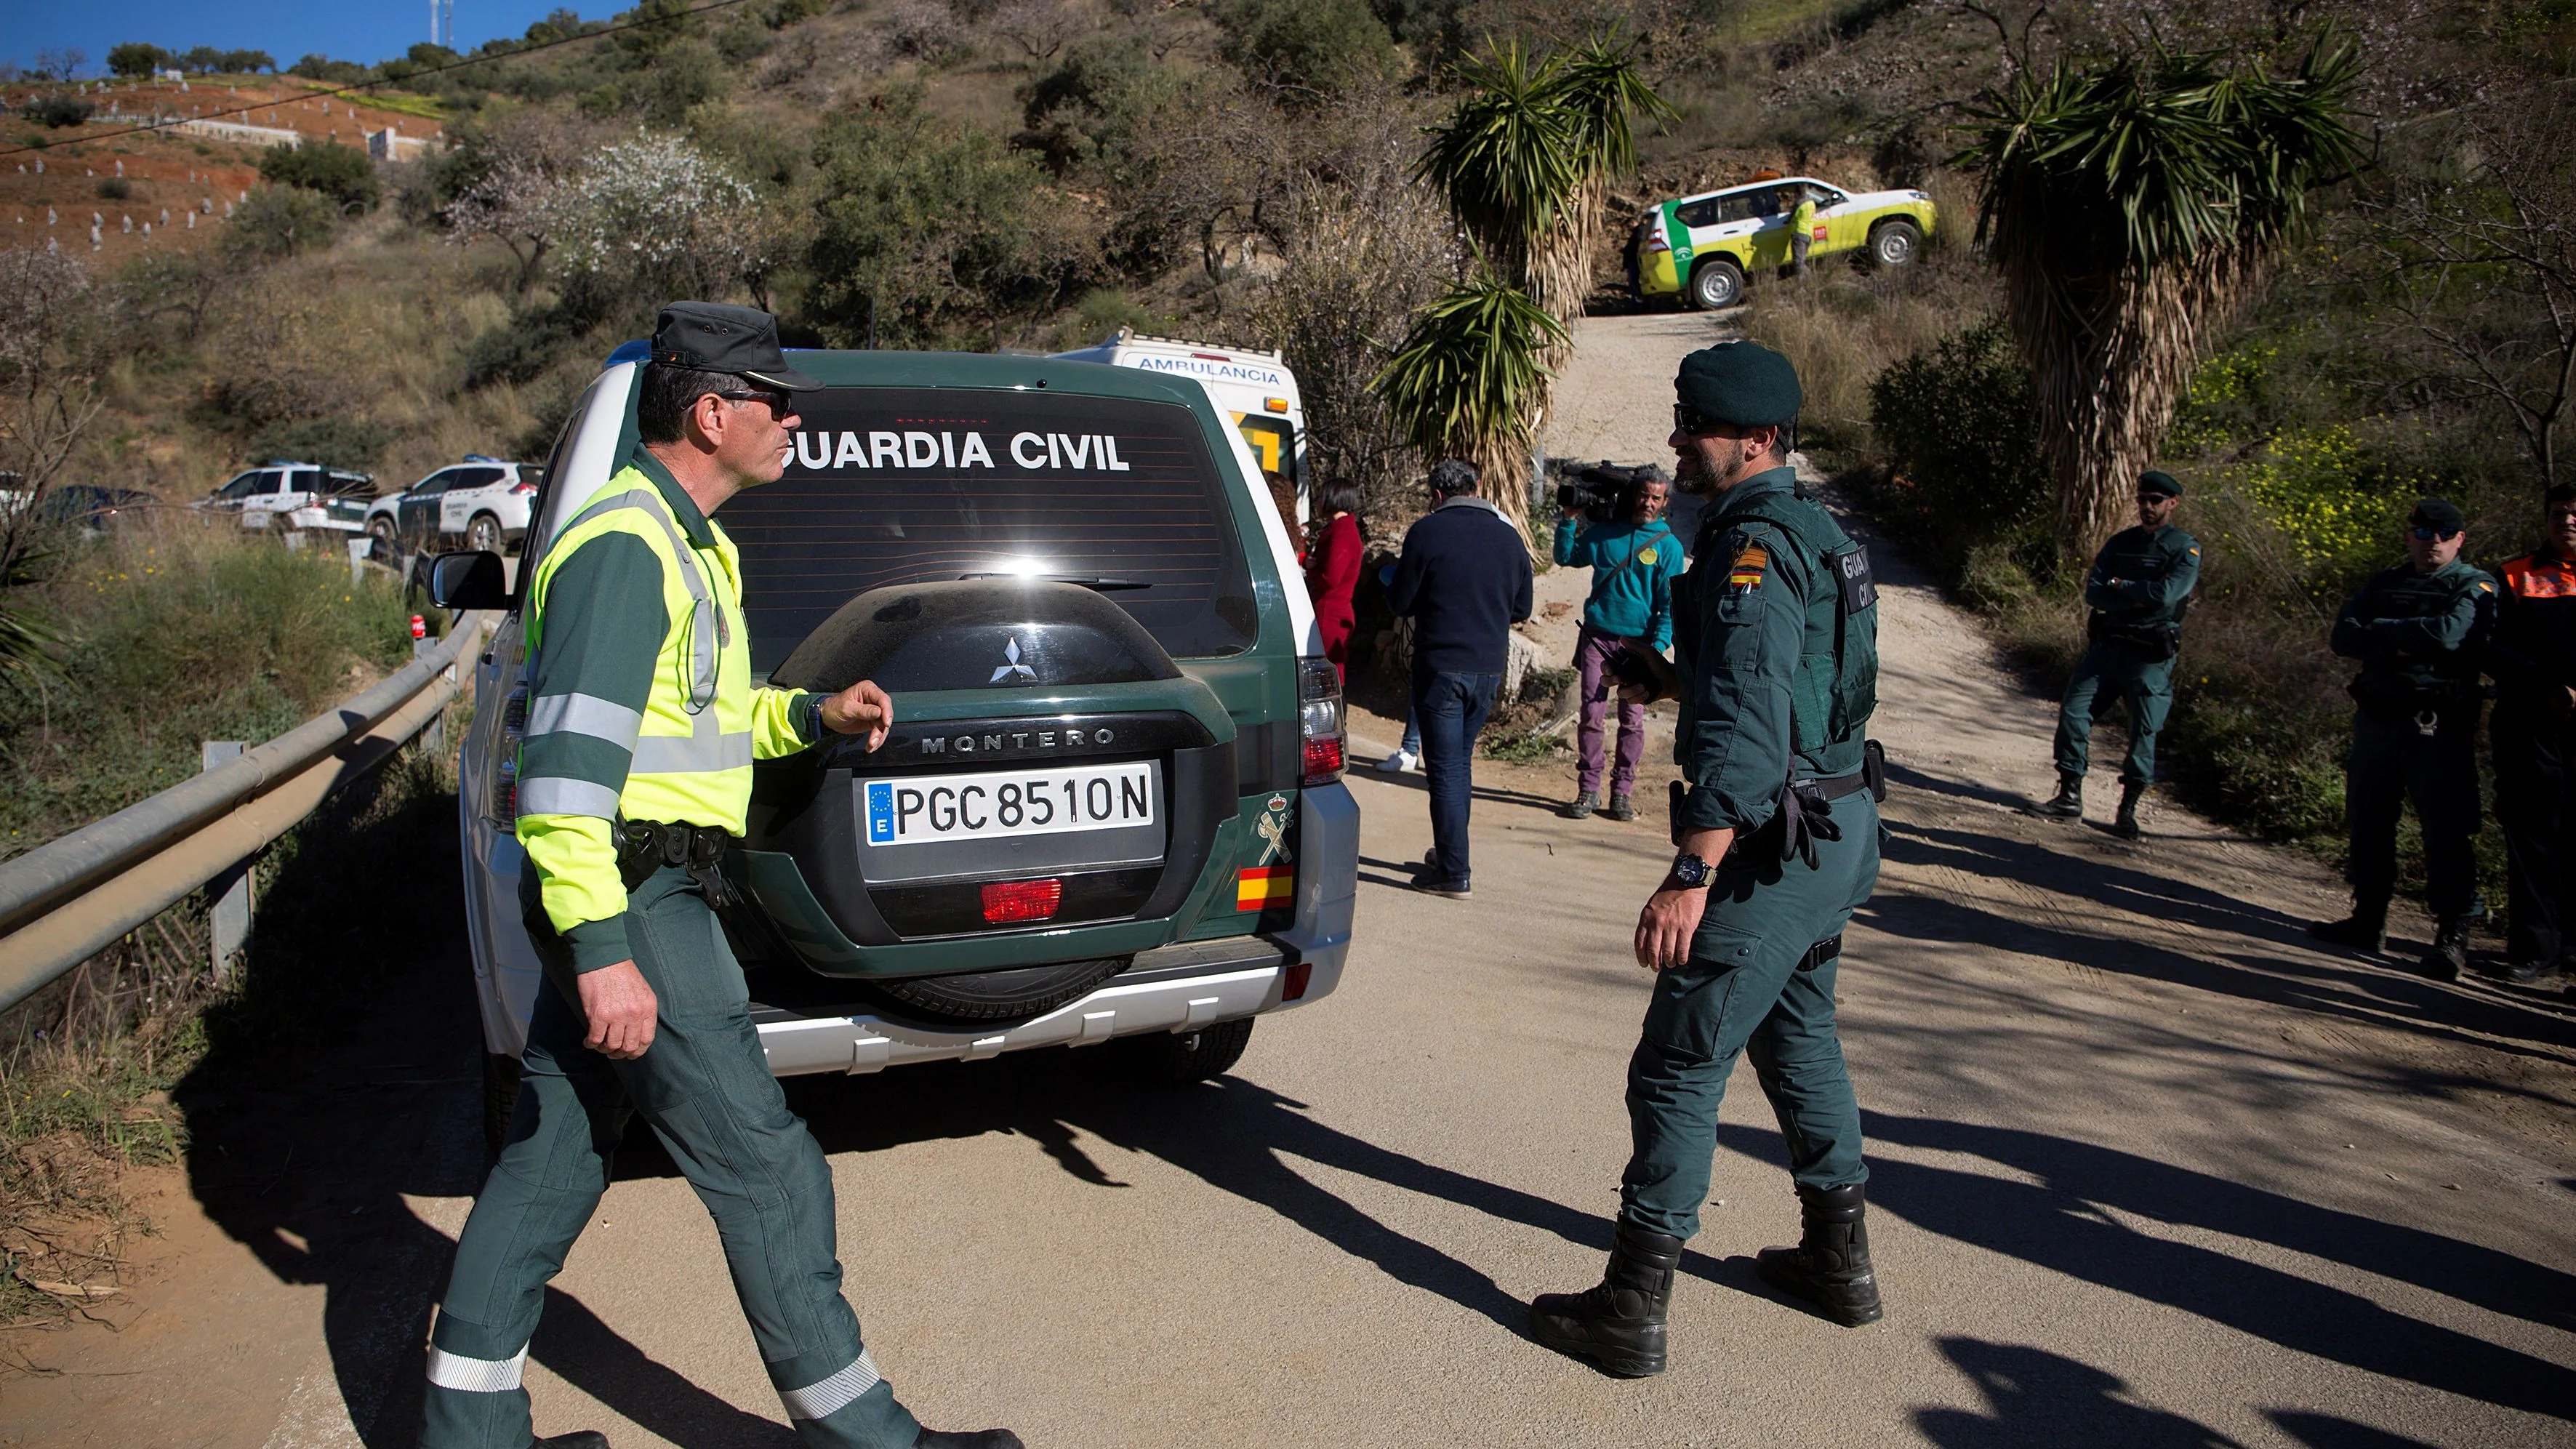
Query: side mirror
column 469, row 581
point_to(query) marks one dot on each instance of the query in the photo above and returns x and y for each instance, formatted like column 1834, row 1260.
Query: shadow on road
column 347, row 1076
column 2037, row 1397
column 2058, row 1223
column 2307, row 980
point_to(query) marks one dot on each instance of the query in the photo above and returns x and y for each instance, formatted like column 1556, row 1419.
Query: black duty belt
column 1820, row 953
column 645, row 846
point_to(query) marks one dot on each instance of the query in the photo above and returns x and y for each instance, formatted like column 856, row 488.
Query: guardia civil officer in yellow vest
column 635, row 770
column 1775, row 631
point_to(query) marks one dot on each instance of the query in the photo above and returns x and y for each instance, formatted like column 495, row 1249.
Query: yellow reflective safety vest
column 640, row 702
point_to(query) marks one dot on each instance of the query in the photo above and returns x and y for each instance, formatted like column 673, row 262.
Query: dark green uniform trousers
column 2119, row 672
column 2393, row 760
column 1741, row 991
column 706, row 1091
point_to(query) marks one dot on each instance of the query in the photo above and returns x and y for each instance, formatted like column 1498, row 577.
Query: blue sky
column 368, row 31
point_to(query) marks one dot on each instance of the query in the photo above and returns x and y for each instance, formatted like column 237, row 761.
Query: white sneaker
column 1399, row 762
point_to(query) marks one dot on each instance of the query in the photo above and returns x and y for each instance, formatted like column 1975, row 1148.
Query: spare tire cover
column 975, row 633
column 1021, row 991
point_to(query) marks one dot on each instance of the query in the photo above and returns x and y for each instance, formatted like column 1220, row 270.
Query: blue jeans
column 1450, row 710
column 1411, row 744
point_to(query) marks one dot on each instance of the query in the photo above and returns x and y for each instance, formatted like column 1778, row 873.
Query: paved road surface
column 2147, row 1170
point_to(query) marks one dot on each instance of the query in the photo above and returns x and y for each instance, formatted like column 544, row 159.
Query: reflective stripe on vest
column 703, row 641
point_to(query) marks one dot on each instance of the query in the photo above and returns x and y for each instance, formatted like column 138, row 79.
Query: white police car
column 482, row 501
column 288, row 497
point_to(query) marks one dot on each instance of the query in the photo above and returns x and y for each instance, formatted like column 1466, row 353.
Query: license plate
column 1009, row 804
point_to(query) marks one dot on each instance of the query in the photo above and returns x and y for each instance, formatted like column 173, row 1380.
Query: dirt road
column 2146, row 1170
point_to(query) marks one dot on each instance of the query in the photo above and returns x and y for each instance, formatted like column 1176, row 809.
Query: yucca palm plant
column 1507, row 158
column 1601, row 91
column 1467, row 378
column 2132, row 207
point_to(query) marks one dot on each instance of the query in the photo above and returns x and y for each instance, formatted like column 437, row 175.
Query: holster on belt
column 645, row 846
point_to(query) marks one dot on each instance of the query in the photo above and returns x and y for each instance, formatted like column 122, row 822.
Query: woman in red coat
column 1333, row 567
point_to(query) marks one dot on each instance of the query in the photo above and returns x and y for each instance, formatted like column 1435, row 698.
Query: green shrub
column 1307, row 48
column 517, row 350
column 1967, row 474
column 280, row 221
column 345, row 174
column 331, row 442
column 134, row 59
column 177, row 636
column 114, row 188
column 57, row 110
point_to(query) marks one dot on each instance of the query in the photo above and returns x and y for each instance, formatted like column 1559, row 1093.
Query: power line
column 330, row 91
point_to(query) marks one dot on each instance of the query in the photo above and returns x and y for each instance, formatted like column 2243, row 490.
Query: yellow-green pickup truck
column 1701, row 248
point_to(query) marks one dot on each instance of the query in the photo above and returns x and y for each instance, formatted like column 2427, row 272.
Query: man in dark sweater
column 2532, row 655
column 1464, row 580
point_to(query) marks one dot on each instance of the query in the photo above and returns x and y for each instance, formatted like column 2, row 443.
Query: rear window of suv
column 901, row 486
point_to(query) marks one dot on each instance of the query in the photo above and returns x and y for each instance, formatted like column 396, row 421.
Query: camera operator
column 1634, row 559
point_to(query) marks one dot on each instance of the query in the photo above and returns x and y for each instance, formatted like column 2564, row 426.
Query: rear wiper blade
column 1105, row 586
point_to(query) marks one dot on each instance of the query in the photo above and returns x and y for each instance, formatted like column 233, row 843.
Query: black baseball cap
column 719, row 337
column 2437, row 513
column 2155, row 481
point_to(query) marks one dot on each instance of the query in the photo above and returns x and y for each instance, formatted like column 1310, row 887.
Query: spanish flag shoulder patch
column 1751, row 562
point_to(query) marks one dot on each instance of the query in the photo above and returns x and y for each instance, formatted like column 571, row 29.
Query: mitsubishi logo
column 1013, row 666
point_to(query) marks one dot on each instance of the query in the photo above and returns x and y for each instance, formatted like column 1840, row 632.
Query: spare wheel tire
column 1019, row 992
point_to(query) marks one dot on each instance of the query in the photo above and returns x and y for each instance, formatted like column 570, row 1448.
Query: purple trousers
column 1598, row 688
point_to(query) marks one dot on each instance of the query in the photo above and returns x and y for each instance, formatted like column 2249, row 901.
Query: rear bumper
column 1180, row 987
column 1176, row 988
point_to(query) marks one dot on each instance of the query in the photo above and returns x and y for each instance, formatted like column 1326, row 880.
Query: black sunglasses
column 1688, row 420
column 780, row 404
column 2429, row 534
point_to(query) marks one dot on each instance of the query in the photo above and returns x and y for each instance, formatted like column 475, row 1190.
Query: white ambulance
column 1255, row 389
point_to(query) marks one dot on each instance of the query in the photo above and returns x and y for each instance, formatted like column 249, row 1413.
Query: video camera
column 1605, row 491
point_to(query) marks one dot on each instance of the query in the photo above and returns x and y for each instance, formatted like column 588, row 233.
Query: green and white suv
column 1702, row 248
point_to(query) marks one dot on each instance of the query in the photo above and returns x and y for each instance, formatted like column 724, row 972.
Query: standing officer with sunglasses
column 2140, row 584
column 2419, row 631
column 634, row 775
column 1775, row 632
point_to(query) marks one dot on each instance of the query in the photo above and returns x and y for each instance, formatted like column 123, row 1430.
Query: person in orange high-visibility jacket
column 634, row 773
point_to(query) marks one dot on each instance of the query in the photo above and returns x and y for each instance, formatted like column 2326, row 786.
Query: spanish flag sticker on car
column 1746, row 573
column 1260, row 886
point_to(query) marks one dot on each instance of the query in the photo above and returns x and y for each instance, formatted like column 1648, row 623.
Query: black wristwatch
column 1690, row 871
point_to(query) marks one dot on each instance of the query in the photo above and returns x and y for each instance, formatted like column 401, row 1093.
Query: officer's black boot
column 2068, row 802
column 1830, row 1266
column 2126, row 826
column 1620, row 1324
column 2450, row 953
column 977, row 1439
column 2366, row 929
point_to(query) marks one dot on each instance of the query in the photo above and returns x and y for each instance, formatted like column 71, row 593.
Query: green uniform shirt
column 605, row 649
column 2143, row 575
column 1740, row 628
column 2418, row 636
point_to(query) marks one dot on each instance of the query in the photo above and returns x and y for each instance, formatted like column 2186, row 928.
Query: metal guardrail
column 72, row 897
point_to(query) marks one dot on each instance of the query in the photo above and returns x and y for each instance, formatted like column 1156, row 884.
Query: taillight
column 1319, row 719
column 1656, row 241
column 1008, row 902
column 1292, row 987
column 504, row 810
column 523, row 487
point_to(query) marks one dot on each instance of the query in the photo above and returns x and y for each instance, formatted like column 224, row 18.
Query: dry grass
column 1843, row 326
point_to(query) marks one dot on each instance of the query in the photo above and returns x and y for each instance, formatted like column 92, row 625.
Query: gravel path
column 2146, row 1169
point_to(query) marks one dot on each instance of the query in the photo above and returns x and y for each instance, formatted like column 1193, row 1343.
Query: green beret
column 1742, row 384
column 2437, row 513
column 2153, row 481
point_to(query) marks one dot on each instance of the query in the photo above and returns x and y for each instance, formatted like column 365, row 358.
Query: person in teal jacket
column 1634, row 560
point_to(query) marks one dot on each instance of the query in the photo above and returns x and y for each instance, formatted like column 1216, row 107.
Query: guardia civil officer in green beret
column 2140, row 584
column 1775, row 633
column 2418, row 630
column 634, row 775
